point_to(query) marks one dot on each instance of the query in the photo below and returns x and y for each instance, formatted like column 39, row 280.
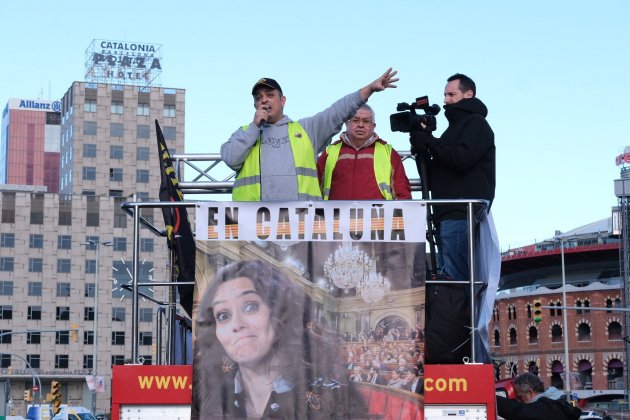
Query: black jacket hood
column 465, row 106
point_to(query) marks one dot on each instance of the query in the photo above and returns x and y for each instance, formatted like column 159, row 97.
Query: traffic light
column 537, row 311
column 55, row 390
column 27, row 395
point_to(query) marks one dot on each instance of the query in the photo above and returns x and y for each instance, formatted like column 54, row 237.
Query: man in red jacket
column 361, row 166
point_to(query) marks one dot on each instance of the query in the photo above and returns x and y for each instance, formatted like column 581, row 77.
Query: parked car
column 590, row 415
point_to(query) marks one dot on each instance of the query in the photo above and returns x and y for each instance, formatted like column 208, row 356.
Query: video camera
column 409, row 121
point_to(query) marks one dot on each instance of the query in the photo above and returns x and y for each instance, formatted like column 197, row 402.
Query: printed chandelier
column 347, row 266
column 373, row 287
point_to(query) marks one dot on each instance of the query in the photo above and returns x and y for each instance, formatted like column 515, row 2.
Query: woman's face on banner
column 243, row 322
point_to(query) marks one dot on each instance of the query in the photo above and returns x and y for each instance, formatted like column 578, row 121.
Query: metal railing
column 204, row 181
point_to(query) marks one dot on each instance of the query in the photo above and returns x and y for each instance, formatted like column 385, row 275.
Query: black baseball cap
column 266, row 82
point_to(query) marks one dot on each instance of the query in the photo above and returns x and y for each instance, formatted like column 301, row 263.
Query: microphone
column 264, row 120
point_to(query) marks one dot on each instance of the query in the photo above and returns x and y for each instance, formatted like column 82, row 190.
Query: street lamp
column 567, row 363
column 96, row 244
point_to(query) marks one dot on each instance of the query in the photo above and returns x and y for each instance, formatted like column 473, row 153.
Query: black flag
column 178, row 232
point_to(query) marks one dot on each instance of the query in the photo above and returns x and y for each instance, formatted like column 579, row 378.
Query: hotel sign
column 123, row 62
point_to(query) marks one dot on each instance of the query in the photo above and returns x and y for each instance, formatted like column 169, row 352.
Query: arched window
column 533, row 335
column 614, row 331
column 579, row 305
column 615, row 374
column 587, row 304
column 497, row 338
column 586, row 373
column 529, row 311
column 557, row 373
column 512, row 336
column 609, row 304
column 532, row 368
column 552, row 310
column 584, row 332
column 556, row 333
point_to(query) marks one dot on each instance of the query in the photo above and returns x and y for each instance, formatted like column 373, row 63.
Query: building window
column 63, row 313
column 89, row 290
column 512, row 336
column 142, row 175
column 33, row 360
column 118, row 314
column 145, row 314
column 8, row 207
column 37, row 209
column 118, row 359
column 115, row 174
column 143, row 131
column 88, row 361
column 90, row 105
column 6, row 263
column 89, row 128
column 120, row 244
column 5, row 360
column 62, row 337
column 120, row 217
column 34, row 288
column 144, row 109
column 35, row 265
column 584, row 332
column 7, row 240
column 142, row 153
column 533, row 335
column 34, row 313
column 146, row 245
column 169, row 110
column 497, row 338
column 64, row 242
column 118, row 338
column 65, row 210
column 116, row 152
column 64, row 265
column 116, row 130
column 6, row 312
column 89, row 150
column 88, row 337
column 89, row 173
column 63, row 289
column 61, row 361
column 614, row 331
column 556, row 333
column 6, row 288
column 36, row 241
column 117, row 107
column 5, row 336
column 53, row 118
column 92, row 211
column 170, row 133
column 33, row 338
column 147, row 359
column 90, row 266
column 146, row 338
column 88, row 313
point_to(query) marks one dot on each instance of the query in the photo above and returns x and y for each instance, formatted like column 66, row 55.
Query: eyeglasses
column 356, row 121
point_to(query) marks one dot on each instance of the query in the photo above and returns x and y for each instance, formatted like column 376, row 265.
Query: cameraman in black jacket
column 461, row 165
